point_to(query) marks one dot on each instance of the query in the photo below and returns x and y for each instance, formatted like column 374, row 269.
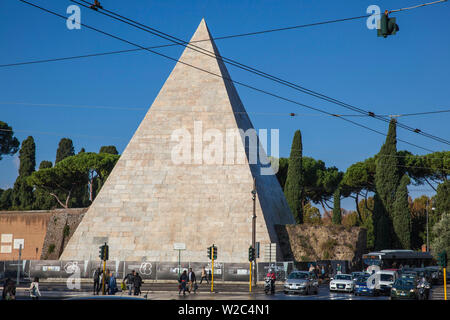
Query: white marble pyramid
column 149, row 202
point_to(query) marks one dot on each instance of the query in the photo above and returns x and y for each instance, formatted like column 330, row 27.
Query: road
column 169, row 292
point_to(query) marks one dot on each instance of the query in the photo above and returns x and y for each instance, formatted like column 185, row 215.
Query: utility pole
column 427, row 228
column 254, row 229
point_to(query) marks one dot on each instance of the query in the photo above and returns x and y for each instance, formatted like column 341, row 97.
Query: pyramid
column 149, row 202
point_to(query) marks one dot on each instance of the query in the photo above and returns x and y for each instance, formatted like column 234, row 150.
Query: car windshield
column 362, row 279
column 343, row 277
column 298, row 275
column 386, row 277
column 403, row 283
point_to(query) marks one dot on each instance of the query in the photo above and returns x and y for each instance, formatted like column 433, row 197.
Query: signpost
column 179, row 246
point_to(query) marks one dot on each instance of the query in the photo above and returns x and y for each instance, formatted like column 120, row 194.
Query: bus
column 393, row 259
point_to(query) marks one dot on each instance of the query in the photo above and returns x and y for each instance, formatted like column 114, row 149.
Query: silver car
column 302, row 282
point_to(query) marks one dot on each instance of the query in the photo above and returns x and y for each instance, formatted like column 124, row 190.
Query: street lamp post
column 254, row 228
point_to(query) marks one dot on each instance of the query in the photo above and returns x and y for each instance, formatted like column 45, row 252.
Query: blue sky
column 405, row 73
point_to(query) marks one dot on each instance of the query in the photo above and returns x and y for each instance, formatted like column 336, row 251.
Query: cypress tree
column 402, row 216
column 337, row 216
column 387, row 179
column 23, row 197
column 6, row 199
column 381, row 226
column 65, row 149
column 294, row 180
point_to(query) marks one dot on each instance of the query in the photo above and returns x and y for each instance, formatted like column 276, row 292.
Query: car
column 363, row 288
column 107, row 297
column 409, row 275
column 301, row 282
column 437, row 276
column 404, row 288
column 386, row 279
column 342, row 282
column 356, row 275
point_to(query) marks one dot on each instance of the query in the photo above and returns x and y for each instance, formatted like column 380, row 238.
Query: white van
column 384, row 280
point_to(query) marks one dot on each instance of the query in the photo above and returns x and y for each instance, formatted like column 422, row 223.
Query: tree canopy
column 8, row 143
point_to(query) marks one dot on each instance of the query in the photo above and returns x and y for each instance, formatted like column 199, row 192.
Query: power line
column 166, row 36
column 289, row 114
column 220, row 76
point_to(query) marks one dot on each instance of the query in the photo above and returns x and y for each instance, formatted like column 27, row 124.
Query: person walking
column 183, row 280
column 338, row 269
column 192, row 280
column 34, row 289
column 112, row 285
column 311, row 268
column 97, row 280
column 322, row 272
column 9, row 290
column 204, row 276
column 137, row 281
column 129, row 281
column 107, row 273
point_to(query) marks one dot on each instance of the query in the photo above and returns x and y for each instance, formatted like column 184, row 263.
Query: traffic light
column 214, row 252
column 209, row 251
column 102, row 252
column 443, row 259
column 388, row 26
column 106, row 252
column 251, row 254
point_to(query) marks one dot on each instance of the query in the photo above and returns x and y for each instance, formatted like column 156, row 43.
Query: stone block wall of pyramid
column 148, row 203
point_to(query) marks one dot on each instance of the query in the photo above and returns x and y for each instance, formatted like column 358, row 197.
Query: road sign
column 270, row 251
column 179, row 246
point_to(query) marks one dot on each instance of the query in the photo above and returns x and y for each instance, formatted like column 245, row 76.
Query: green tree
column 442, row 198
column 311, row 215
column 72, row 174
column 337, row 215
column 283, row 164
column 402, row 216
column 6, row 199
column 43, row 200
column 65, row 149
column 387, row 179
column 8, row 143
column 358, row 181
column 22, row 197
column 294, row 181
column 108, row 149
column 441, row 240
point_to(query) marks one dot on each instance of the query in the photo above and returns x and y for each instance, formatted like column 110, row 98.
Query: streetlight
column 428, row 246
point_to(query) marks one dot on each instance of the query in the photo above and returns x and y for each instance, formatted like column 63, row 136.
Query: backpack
column 33, row 290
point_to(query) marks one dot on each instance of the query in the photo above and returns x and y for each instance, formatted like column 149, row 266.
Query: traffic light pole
column 212, row 272
column 445, row 284
column 250, row 282
column 254, row 228
column 103, row 278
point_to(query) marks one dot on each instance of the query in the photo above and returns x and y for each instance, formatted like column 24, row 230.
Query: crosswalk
column 437, row 292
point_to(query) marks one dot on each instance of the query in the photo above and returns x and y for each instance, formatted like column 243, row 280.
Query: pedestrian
column 112, row 285
column 9, row 290
column 183, row 280
column 204, row 276
column 97, row 280
column 34, row 289
column 192, row 280
column 311, row 267
column 322, row 271
column 338, row 268
column 129, row 280
column 137, row 283
column 107, row 273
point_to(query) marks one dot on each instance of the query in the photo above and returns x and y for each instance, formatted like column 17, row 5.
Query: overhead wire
column 176, row 40
column 220, row 76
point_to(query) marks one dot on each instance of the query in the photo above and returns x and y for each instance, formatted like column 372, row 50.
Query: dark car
column 404, row 288
column 437, row 276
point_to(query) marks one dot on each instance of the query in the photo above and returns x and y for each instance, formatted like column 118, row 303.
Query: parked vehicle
column 404, row 288
column 342, row 282
column 437, row 276
column 386, row 279
column 302, row 282
column 364, row 288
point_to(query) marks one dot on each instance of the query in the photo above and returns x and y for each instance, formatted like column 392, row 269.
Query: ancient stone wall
column 30, row 228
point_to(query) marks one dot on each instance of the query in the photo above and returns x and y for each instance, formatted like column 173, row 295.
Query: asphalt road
column 169, row 292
